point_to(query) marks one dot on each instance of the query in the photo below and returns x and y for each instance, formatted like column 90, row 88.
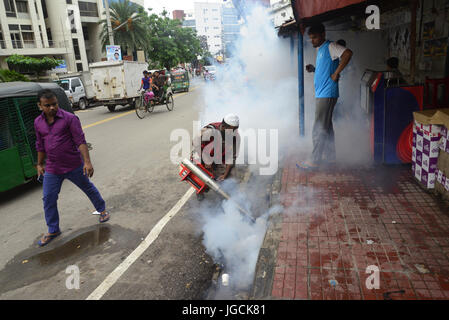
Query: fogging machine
column 201, row 179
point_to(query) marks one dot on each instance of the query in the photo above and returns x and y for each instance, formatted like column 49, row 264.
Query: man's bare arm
column 344, row 60
column 88, row 169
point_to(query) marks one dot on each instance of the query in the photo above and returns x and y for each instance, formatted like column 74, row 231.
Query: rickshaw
column 180, row 80
column 147, row 101
column 18, row 109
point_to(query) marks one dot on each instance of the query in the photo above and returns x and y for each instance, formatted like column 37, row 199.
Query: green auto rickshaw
column 180, row 80
column 18, row 109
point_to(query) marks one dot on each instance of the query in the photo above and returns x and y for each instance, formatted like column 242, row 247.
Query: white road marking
column 112, row 278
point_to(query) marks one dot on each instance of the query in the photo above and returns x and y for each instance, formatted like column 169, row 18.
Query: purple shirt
column 60, row 141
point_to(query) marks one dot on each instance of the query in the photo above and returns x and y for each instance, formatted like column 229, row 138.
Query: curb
column 266, row 261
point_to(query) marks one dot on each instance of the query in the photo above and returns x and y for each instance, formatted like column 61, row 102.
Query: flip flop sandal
column 306, row 166
column 47, row 238
column 104, row 217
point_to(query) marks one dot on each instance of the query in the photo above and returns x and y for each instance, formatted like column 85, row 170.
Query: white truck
column 117, row 82
column 78, row 88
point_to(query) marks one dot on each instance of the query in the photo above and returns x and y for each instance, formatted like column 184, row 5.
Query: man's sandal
column 104, row 217
column 307, row 166
column 47, row 238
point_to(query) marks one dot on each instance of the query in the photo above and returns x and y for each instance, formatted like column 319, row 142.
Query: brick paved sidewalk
column 337, row 222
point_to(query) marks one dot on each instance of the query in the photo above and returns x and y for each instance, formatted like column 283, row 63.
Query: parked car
column 78, row 89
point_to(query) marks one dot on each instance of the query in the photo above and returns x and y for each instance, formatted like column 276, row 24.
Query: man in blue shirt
column 331, row 59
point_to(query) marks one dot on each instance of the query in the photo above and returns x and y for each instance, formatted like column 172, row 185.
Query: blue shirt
column 146, row 83
column 325, row 87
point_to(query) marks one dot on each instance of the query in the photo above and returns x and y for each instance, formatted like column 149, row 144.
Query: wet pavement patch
column 36, row 264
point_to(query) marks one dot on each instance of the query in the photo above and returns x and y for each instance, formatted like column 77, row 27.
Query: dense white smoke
column 258, row 85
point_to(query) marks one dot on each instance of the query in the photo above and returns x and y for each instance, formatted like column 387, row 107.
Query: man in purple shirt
column 60, row 140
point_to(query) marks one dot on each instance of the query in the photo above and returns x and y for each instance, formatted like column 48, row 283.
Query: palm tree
column 129, row 31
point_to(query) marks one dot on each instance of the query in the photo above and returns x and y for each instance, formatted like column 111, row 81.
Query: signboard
column 62, row 68
column 113, row 53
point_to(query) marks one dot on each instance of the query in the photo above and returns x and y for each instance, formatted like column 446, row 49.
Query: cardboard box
column 430, row 139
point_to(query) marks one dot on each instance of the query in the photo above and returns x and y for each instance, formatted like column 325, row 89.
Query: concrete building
column 208, row 19
column 189, row 20
column 178, row 14
column 63, row 29
column 231, row 27
column 281, row 12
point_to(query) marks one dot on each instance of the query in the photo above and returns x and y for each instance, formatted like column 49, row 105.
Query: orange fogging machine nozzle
column 201, row 179
column 188, row 175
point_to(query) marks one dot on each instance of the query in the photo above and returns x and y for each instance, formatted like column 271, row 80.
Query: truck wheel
column 82, row 104
column 111, row 108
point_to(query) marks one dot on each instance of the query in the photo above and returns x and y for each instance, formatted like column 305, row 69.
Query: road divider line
column 108, row 119
column 112, row 278
column 126, row 113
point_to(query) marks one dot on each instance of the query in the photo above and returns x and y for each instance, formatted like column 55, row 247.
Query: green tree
column 169, row 43
column 129, row 29
column 30, row 64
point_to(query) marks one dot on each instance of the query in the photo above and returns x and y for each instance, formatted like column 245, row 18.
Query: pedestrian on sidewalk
column 60, row 142
column 331, row 59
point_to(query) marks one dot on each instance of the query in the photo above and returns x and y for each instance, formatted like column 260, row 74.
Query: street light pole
column 108, row 21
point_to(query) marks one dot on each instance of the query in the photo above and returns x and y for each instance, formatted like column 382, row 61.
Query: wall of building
column 208, row 23
column 431, row 42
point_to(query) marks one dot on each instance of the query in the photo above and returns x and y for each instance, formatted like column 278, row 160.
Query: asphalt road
column 134, row 174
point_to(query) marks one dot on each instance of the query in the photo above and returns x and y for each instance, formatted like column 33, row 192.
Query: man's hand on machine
column 221, row 178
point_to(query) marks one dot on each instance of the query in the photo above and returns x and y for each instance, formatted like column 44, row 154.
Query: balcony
column 30, row 47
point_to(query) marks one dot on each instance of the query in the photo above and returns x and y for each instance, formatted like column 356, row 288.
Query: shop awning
column 305, row 9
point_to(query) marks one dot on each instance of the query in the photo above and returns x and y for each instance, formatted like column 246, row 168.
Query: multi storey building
column 209, row 23
column 64, row 29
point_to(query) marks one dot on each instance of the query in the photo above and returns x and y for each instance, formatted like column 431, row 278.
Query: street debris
column 422, row 268
column 225, row 279
column 333, row 283
column 369, row 241
column 24, row 261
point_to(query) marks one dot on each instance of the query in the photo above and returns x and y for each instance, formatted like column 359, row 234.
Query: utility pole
column 108, row 21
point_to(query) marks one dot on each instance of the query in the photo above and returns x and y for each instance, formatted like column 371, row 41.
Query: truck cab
column 75, row 91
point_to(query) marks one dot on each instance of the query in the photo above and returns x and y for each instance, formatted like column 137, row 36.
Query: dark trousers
column 52, row 185
column 323, row 131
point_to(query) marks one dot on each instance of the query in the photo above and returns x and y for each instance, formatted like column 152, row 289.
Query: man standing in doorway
column 331, row 59
column 60, row 141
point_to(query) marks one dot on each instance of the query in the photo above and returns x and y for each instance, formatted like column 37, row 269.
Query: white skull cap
column 232, row 120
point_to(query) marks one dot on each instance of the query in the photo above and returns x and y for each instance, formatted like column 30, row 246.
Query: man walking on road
column 60, row 141
column 331, row 59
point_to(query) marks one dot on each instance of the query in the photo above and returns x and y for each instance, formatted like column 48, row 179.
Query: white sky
column 170, row 5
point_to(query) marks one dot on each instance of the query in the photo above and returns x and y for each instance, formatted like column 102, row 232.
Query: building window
column 15, row 36
column 86, row 33
column 25, row 27
column 10, row 8
column 71, row 14
column 79, row 67
column 22, row 6
column 49, row 36
column 2, row 41
column 76, row 49
column 88, row 9
column 44, row 9
column 68, row 1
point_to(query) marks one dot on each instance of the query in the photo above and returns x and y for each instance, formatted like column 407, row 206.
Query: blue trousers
column 52, row 186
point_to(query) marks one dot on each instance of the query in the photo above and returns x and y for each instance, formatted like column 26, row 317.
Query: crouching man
column 218, row 145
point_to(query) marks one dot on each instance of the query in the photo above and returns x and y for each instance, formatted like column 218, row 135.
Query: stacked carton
column 430, row 157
